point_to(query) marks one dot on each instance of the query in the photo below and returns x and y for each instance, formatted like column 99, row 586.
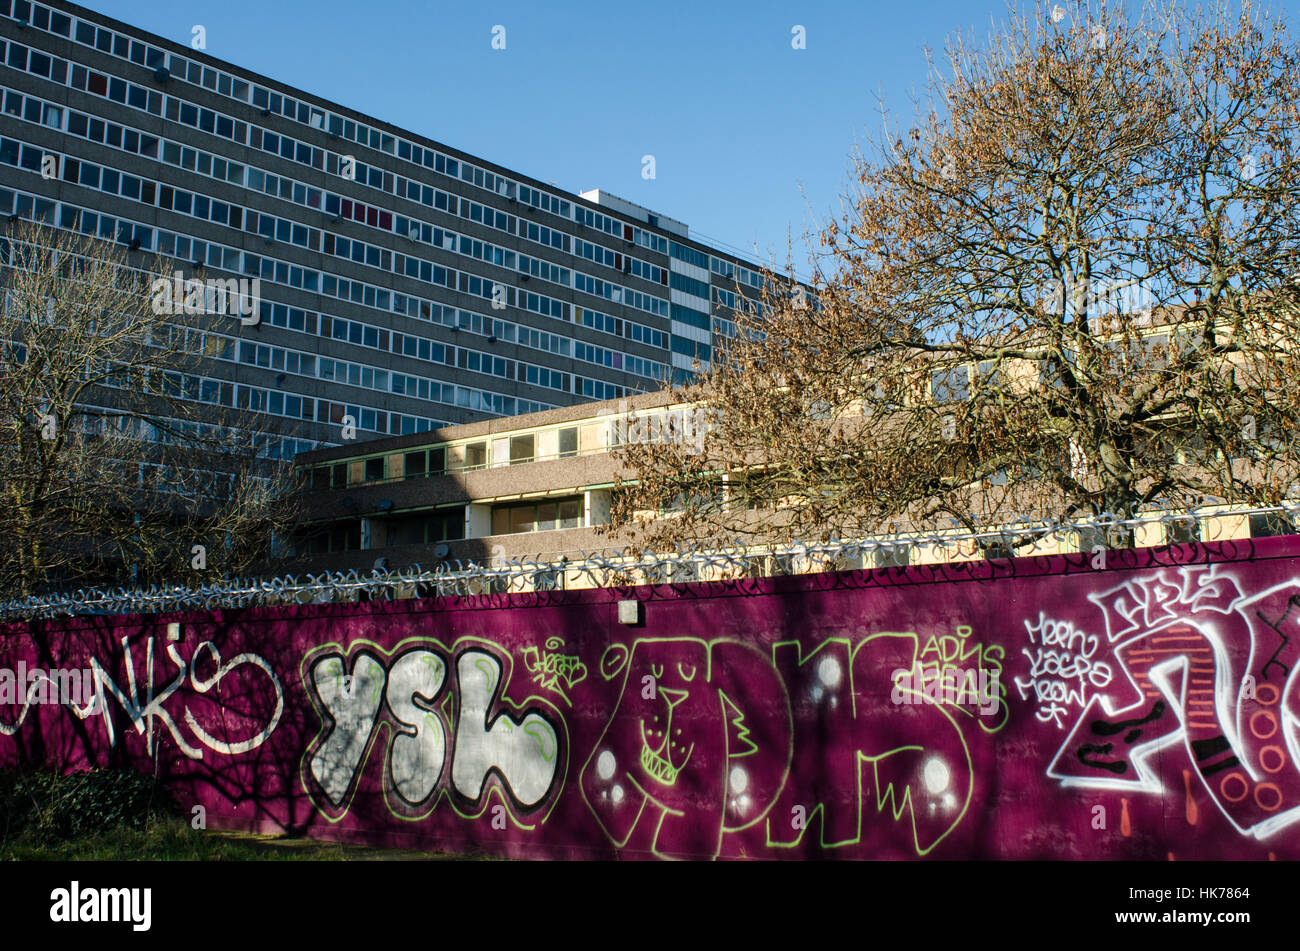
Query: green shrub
column 46, row 806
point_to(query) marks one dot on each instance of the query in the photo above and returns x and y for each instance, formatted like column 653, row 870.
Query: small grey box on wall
column 629, row 612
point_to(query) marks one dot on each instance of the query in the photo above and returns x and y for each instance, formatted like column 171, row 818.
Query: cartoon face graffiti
column 661, row 758
column 666, row 776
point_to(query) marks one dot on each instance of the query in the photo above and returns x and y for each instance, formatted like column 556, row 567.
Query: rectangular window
column 521, row 449
column 539, row 516
column 523, row 518
column 501, row 521
column 414, row 464
column 950, row 385
column 1264, row 526
column 546, row 516
column 893, row 556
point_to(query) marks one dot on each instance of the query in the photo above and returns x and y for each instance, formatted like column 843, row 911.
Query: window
column 446, row 526
column 340, row 477
column 689, row 255
column 568, row 442
column 949, row 385
column 521, row 449
column 893, row 556
column 1264, row 526
column 414, row 464
column 345, row 538
column 437, row 461
column 541, row 516
column 1185, row 531
column 476, row 455
column 547, row 513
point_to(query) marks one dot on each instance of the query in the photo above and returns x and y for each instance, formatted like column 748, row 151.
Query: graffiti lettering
column 552, row 670
column 793, row 718
column 952, row 685
column 352, row 704
column 1061, row 668
column 411, row 695
column 1183, row 687
column 523, row 751
column 144, row 711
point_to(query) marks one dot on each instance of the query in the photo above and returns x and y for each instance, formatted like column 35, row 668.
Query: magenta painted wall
column 1038, row 708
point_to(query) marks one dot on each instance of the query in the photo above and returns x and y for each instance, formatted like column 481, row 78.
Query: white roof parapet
column 633, row 210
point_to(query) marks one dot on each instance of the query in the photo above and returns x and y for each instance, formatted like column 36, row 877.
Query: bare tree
column 1066, row 290
column 112, row 468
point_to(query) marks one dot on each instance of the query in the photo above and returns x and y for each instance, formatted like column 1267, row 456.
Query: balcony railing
column 455, row 470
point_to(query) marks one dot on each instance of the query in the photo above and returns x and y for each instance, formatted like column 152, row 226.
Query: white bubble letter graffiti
column 418, row 751
column 353, row 710
column 524, row 752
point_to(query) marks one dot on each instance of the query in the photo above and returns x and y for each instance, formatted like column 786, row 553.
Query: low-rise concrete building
column 524, row 486
column 540, row 486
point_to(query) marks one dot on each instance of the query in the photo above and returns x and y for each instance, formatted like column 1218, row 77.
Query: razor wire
column 598, row 569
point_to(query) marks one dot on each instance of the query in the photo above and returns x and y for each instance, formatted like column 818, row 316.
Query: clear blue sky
column 751, row 138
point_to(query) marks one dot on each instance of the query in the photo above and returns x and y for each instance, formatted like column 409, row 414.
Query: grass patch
column 47, row 808
column 165, row 839
column 117, row 815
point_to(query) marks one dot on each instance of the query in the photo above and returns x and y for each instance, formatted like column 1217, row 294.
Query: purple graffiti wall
column 1036, row 708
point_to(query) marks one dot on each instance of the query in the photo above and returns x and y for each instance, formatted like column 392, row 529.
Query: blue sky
column 751, row 138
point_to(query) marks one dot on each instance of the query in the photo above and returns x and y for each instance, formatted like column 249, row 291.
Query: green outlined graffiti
column 552, row 670
column 960, row 659
column 711, row 737
column 854, row 715
column 670, row 774
column 452, row 734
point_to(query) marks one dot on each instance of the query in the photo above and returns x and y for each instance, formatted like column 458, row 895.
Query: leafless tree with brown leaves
column 1067, row 290
column 111, row 471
